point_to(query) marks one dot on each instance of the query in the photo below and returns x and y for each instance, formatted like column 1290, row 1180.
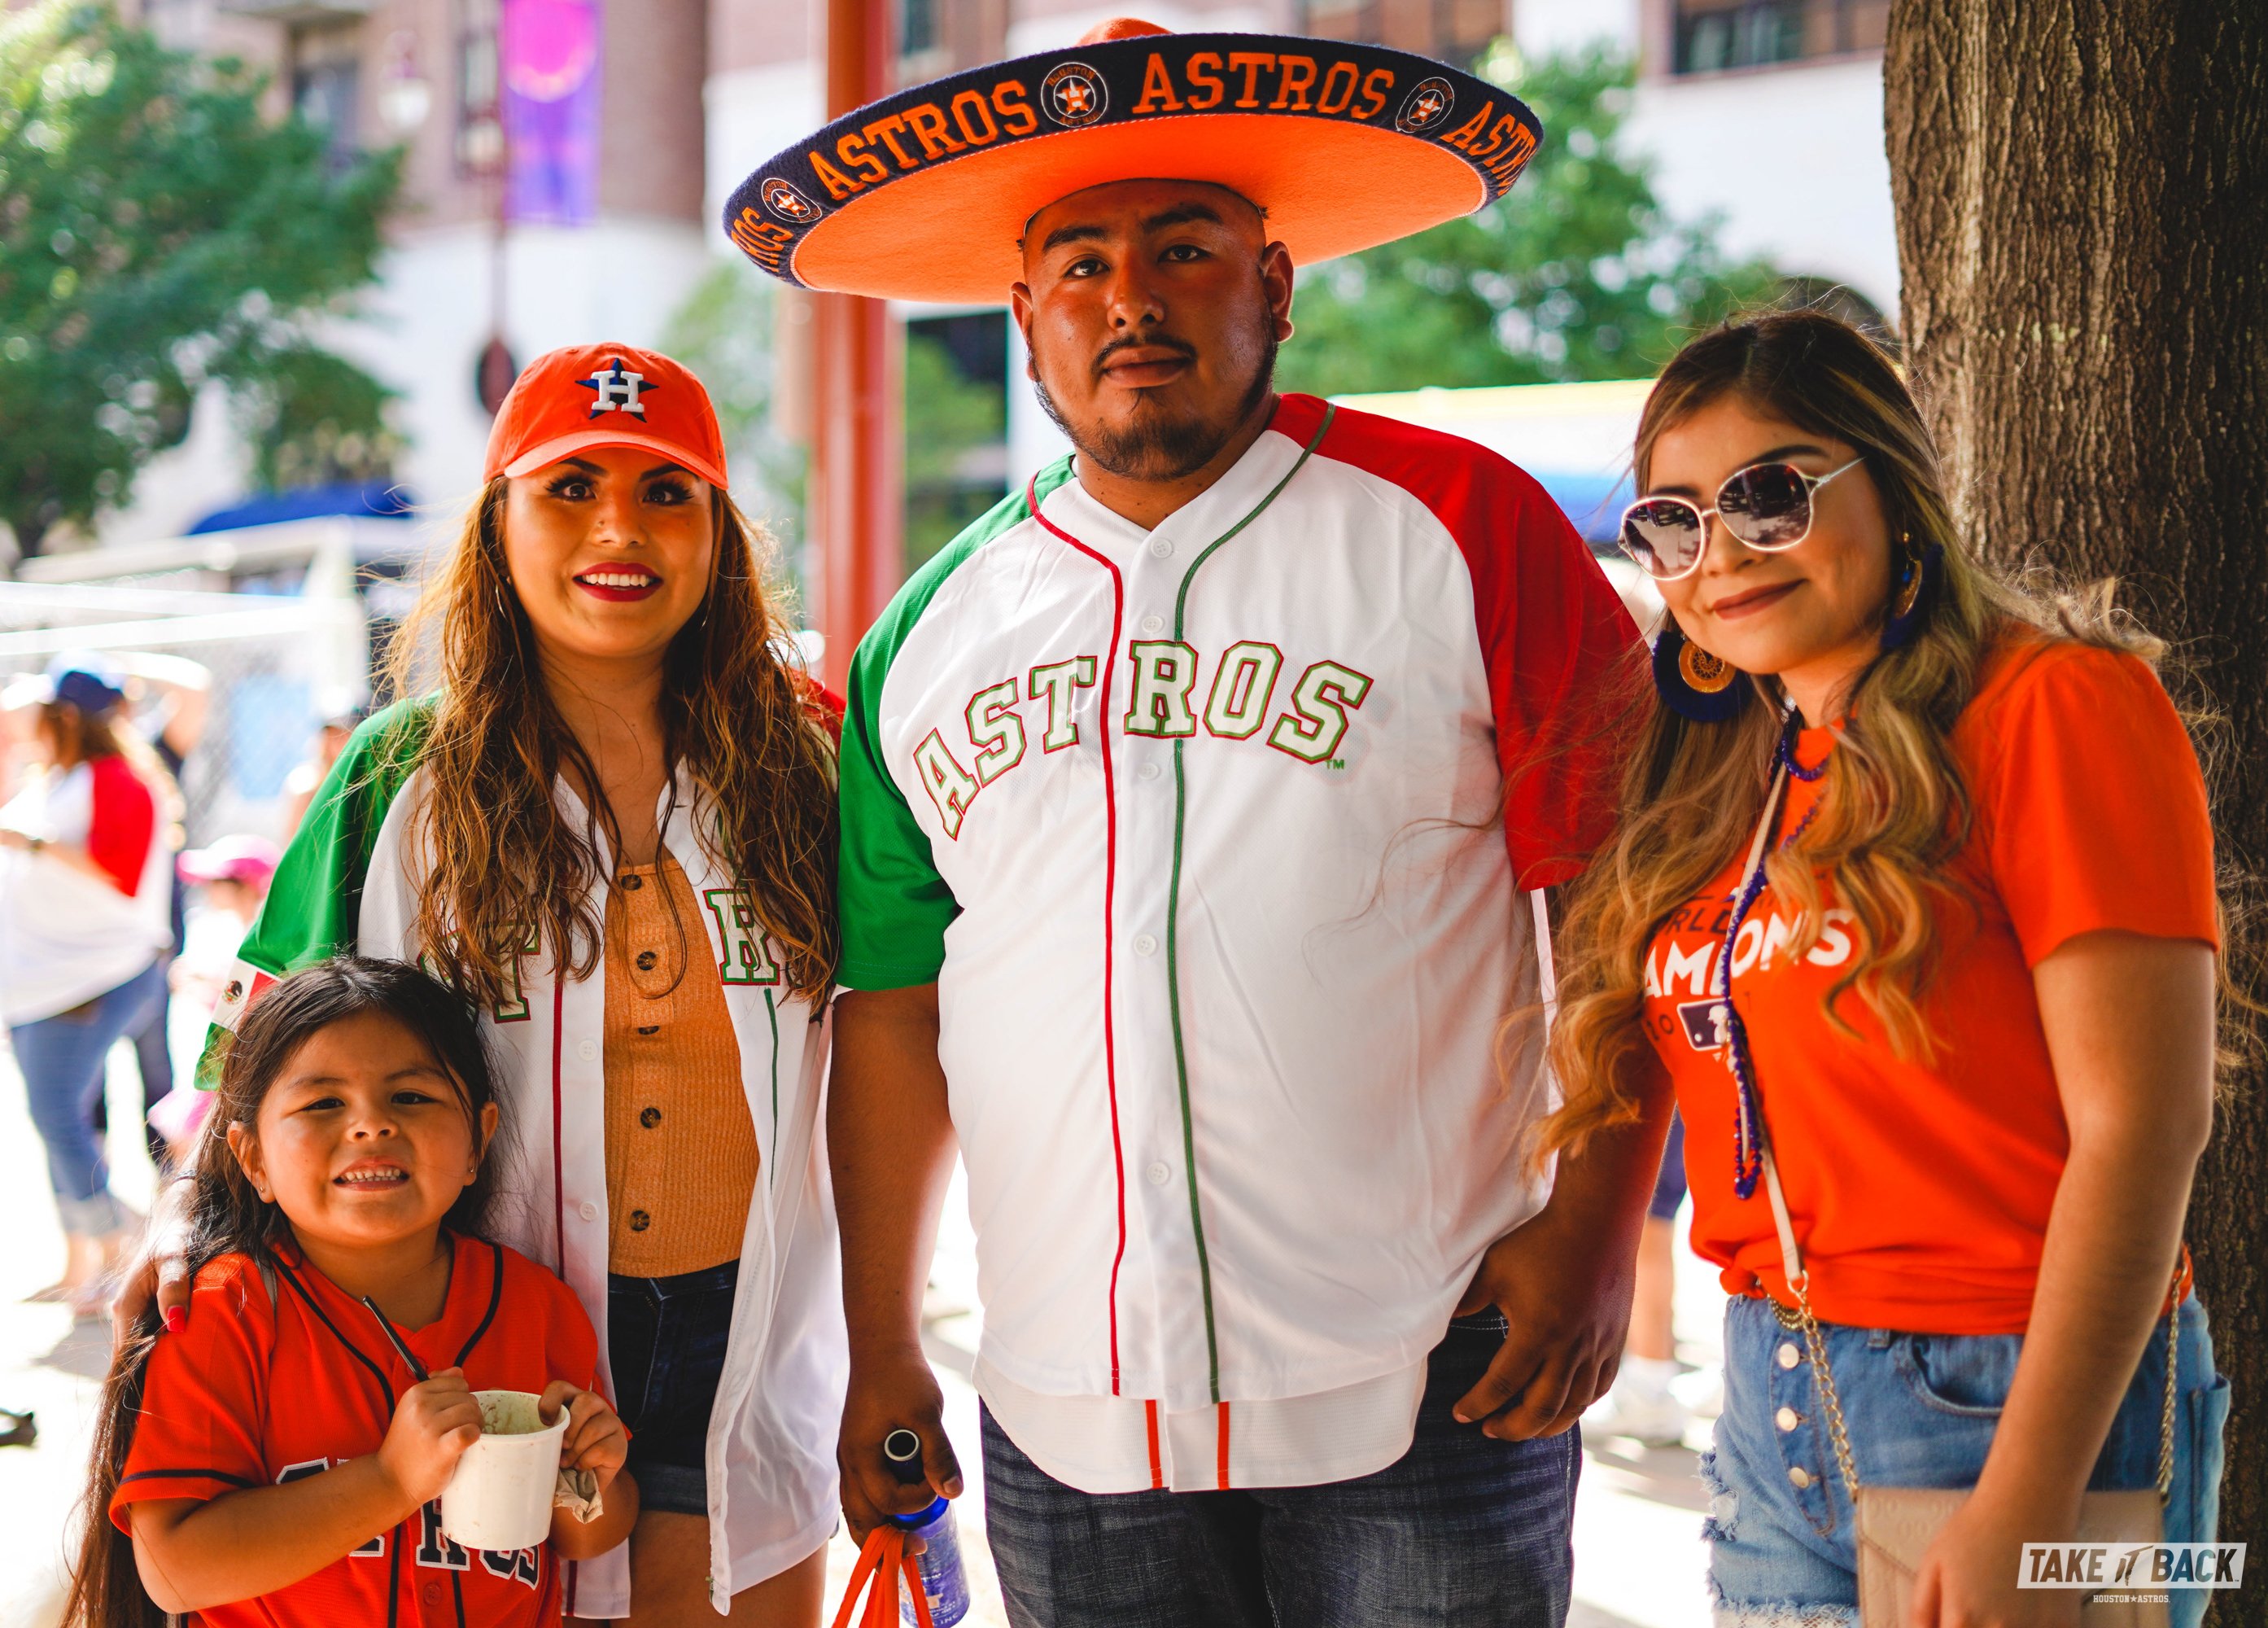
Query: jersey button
column 432, row 1592
column 640, row 1220
column 1160, row 1172
column 1161, row 548
column 587, row 1050
column 588, row 1210
column 1150, row 771
column 649, row 1117
column 645, row 960
column 1153, row 624
column 1145, row 945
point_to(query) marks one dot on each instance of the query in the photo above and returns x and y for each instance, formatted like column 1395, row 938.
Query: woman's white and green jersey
column 346, row 884
column 1196, row 831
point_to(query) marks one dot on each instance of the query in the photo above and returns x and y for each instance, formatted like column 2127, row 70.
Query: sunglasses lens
column 1767, row 505
column 1662, row 536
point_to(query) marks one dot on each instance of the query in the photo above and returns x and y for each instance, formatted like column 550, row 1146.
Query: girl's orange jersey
column 256, row 1392
column 1920, row 1187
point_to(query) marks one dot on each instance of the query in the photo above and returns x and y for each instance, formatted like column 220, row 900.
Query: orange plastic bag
column 881, row 1564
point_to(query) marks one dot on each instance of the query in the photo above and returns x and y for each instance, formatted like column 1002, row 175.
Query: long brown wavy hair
column 501, row 870
column 1895, row 809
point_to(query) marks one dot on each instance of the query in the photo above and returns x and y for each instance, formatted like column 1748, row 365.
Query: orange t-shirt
column 1920, row 1190
column 254, row 1393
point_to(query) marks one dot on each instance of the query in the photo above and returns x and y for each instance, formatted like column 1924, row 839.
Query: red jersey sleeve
column 2093, row 810
column 1561, row 654
column 197, row 1433
column 122, row 824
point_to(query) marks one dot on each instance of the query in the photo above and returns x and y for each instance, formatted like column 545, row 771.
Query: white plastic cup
column 499, row 1497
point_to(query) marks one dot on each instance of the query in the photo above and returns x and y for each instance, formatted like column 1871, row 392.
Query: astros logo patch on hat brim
column 924, row 195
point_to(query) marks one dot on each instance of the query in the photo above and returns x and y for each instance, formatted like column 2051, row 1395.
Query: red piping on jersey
column 1223, row 1464
column 1157, row 1466
column 558, row 1176
column 1109, row 894
column 558, row 1196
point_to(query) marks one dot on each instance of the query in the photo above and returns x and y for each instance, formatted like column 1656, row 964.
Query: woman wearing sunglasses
column 1911, row 903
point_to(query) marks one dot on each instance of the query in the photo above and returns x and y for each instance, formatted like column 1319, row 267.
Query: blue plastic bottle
column 939, row 1564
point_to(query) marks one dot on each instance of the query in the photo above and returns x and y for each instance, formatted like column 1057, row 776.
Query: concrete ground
column 1639, row 1560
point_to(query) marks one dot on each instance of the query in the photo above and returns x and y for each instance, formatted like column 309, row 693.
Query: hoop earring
column 1915, row 594
column 1694, row 684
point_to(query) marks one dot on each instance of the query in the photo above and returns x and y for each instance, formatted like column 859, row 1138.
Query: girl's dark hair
column 225, row 1215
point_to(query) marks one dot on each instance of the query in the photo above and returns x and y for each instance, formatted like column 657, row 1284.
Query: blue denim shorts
column 666, row 1339
column 1920, row 1410
column 1463, row 1529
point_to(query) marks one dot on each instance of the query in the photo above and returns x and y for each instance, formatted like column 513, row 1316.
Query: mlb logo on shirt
column 1707, row 1025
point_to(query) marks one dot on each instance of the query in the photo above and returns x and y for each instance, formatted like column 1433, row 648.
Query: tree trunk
column 2083, row 209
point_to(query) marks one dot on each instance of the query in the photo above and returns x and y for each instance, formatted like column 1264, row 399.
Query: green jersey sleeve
column 894, row 905
column 314, row 902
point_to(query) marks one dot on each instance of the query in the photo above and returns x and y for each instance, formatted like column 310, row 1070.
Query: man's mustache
column 1162, row 342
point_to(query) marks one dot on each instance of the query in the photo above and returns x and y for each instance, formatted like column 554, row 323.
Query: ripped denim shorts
column 1920, row 1410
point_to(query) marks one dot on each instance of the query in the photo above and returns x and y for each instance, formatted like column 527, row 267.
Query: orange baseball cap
column 581, row 396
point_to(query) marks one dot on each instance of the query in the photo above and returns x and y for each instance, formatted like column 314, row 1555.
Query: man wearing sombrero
column 1172, row 885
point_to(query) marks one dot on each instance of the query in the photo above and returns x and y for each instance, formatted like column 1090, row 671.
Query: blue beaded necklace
column 1748, row 1141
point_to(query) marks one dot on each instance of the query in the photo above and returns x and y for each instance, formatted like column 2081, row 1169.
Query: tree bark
column 2081, row 189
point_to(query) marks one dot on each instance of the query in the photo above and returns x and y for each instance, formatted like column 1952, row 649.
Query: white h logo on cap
column 618, row 389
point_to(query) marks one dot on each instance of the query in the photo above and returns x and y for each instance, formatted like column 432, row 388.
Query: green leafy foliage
column 726, row 331
column 157, row 233
column 1576, row 274
column 953, row 423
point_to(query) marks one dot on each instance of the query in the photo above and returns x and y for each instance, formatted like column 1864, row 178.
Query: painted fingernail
column 176, row 1319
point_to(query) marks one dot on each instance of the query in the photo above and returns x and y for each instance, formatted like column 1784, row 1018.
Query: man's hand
column 1564, row 1290
column 894, row 1393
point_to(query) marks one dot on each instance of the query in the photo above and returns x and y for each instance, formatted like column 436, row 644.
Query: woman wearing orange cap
column 612, row 827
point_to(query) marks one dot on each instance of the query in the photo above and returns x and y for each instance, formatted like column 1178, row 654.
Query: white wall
column 1791, row 156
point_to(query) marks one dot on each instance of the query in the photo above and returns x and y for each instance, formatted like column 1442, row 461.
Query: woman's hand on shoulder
column 160, row 1275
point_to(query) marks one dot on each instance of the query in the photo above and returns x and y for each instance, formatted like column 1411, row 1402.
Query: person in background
column 1641, row 1404
column 169, row 698
column 306, row 778
column 1911, row 903
column 231, row 876
column 84, row 908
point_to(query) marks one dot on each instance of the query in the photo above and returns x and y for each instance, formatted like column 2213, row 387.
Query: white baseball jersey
column 1197, row 831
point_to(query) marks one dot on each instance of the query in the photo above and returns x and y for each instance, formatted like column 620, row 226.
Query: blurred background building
column 563, row 164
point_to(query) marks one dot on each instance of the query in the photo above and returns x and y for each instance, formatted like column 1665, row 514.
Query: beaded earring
column 1916, row 593
column 1694, row 684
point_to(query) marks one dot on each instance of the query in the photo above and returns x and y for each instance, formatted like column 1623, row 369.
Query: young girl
column 1911, row 900
column 276, row 1462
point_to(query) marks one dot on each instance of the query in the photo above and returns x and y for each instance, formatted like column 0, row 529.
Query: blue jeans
column 1920, row 1410
column 62, row 1060
column 666, row 1339
column 1462, row 1529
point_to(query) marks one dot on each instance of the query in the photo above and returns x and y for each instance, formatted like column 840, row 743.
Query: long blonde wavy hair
column 505, row 869
column 1896, row 810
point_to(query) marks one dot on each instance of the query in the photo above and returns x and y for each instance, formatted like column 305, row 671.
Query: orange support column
column 856, row 511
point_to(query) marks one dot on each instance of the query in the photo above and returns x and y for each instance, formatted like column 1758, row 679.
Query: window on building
column 918, row 29
column 326, row 81
column 1453, row 31
column 479, row 128
column 1711, row 36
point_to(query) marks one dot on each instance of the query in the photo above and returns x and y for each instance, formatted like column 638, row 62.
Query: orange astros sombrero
column 924, row 195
